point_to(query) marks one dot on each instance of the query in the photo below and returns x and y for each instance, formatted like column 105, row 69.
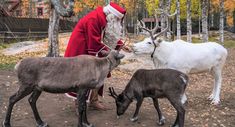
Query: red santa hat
column 116, row 10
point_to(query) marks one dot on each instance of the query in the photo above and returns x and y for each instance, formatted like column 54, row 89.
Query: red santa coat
column 86, row 36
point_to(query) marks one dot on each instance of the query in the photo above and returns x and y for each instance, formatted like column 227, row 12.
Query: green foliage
column 151, row 5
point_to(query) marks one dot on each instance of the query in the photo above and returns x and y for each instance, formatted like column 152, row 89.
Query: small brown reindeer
column 158, row 83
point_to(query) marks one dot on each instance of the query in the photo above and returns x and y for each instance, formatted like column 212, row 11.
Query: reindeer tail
column 184, row 79
column 17, row 66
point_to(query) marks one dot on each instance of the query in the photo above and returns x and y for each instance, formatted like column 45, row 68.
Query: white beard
column 113, row 31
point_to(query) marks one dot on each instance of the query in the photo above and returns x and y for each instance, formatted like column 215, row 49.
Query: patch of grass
column 7, row 62
column 196, row 40
column 229, row 44
column 4, row 45
column 7, row 66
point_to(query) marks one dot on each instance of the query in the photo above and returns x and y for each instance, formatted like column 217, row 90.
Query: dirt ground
column 58, row 111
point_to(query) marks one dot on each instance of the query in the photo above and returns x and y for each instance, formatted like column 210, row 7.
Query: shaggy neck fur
column 162, row 56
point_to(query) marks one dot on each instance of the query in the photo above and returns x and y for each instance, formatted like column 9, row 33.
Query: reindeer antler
column 112, row 93
column 167, row 26
column 153, row 31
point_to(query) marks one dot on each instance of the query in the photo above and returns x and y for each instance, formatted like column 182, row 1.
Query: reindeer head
column 122, row 101
column 149, row 45
column 114, row 58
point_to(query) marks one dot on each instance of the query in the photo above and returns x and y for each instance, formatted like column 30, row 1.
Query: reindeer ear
column 105, row 53
column 120, row 98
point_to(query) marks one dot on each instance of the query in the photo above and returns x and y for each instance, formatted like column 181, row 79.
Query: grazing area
column 57, row 109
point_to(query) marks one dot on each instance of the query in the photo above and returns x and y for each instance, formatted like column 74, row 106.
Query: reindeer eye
column 149, row 43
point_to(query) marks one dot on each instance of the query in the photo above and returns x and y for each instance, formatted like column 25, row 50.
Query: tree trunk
column 234, row 20
column 163, row 18
column 57, row 10
column 168, row 6
column 209, row 16
column 30, row 8
column 189, row 22
column 199, row 18
column 212, row 20
column 178, row 19
column 204, row 21
column 53, row 32
column 221, row 26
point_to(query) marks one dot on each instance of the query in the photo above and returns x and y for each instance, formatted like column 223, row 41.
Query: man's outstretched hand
column 126, row 49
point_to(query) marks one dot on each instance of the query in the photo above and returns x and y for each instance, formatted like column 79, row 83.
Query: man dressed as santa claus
column 103, row 24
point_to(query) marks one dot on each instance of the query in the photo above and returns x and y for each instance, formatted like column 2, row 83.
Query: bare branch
column 153, row 31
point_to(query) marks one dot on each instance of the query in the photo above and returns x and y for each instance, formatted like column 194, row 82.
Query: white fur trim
column 114, row 11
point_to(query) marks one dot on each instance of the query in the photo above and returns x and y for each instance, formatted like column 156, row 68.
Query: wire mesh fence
column 21, row 20
column 13, row 28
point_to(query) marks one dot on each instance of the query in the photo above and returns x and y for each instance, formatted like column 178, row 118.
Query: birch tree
column 57, row 10
column 168, row 7
column 163, row 20
column 178, row 19
column 221, row 26
column 204, row 21
column 234, row 20
column 189, row 22
column 199, row 18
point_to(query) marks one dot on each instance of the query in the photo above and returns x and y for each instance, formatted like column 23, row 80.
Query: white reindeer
column 185, row 57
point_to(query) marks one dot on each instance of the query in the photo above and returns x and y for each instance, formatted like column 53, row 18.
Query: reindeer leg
column 85, row 121
column 21, row 93
column 32, row 101
column 81, row 98
column 215, row 96
column 160, row 116
column 213, row 72
column 138, row 104
column 177, row 104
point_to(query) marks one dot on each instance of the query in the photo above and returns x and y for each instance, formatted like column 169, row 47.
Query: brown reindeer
column 158, row 83
column 61, row 75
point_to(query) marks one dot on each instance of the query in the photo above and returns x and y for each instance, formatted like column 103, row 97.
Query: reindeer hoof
column 134, row 119
column 174, row 126
column 215, row 102
column 162, row 121
column 6, row 124
column 43, row 125
column 87, row 125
